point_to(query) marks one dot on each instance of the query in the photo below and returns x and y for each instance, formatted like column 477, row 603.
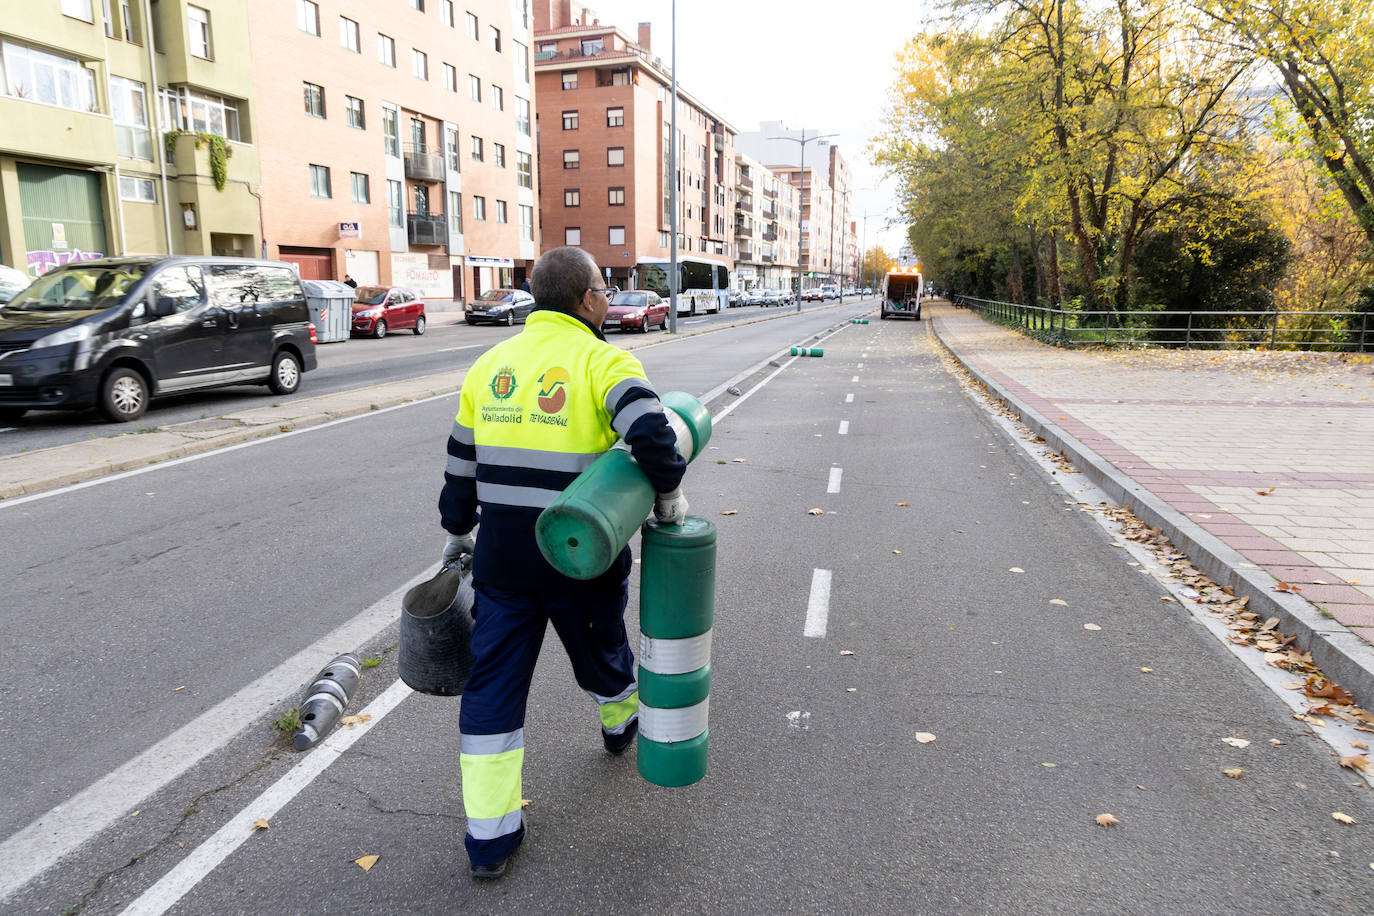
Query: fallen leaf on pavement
column 1269, row 624
column 261, row 824
column 1234, row 772
column 730, row 512
column 366, row 862
column 925, row 737
column 739, row 460
column 898, row 552
column 815, row 511
column 1276, row 742
column 1059, row 601
column 525, row 802
column 1342, row 817
column 1264, row 492
column 350, row 721
column 846, row 651
column 1236, row 742
column 1291, row 685
column 903, row 504
column 1147, row 671
column 1359, row 744
column 1016, row 569
column 1355, row 762
column 1107, row 820
column 1091, row 626
column 1165, row 598
column 1050, row 765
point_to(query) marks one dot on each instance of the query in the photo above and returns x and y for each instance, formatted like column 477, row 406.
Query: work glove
column 457, row 547
column 671, row 508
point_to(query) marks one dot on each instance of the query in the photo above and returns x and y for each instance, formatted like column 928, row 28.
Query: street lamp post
column 672, row 193
column 863, row 247
column 801, row 187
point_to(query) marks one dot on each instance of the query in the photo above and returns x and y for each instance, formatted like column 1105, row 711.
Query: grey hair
column 562, row 276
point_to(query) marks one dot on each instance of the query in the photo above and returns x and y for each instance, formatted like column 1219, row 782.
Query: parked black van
column 116, row 332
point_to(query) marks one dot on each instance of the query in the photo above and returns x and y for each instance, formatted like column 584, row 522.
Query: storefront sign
column 350, row 230
column 413, row 270
column 475, row 261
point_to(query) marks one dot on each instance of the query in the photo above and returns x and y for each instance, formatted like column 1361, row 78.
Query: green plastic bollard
column 677, row 590
column 585, row 528
column 807, row 351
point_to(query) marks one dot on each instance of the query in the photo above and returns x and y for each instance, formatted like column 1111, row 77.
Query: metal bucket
column 436, row 634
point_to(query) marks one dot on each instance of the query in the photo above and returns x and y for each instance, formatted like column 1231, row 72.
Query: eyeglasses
column 607, row 291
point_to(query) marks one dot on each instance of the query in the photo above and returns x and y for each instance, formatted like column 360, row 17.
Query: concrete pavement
column 1256, row 464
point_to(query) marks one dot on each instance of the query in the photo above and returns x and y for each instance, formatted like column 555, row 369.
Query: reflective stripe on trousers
column 491, row 783
column 619, row 711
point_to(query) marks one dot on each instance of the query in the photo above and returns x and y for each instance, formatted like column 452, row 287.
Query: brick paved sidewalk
column 1272, row 453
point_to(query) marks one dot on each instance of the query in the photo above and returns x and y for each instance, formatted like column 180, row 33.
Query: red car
column 636, row 310
column 378, row 309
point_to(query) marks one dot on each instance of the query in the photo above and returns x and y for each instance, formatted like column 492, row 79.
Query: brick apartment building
column 395, row 141
column 765, row 227
column 604, row 106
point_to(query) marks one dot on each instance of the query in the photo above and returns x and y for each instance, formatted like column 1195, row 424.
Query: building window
column 349, row 35
column 419, row 64
column 620, row 77
column 474, row 88
column 126, row 15
column 78, row 9
column 137, row 189
column 129, row 111
column 616, row 236
column 501, row 211
column 572, row 235
column 362, row 191
column 353, row 113
column 615, row 155
column 417, row 5
column 522, row 116
column 314, row 100
column 455, row 212
column 472, row 27
column 498, row 155
column 572, row 197
column 476, row 149
column 319, row 181
column 479, row 208
column 569, row 79
column 615, row 197
column 451, row 144
column 308, row 17
column 391, row 132
column 592, row 46
column 663, row 239
column 495, row 38
column 526, row 222
column 570, row 120
column 395, row 205
column 386, row 50
column 615, row 117
column 571, row 159
column 198, row 29
column 450, row 77
column 522, row 61
column 524, row 167
column 42, row 77
column 186, row 110
column 417, row 136
column 446, row 16
column 498, row 98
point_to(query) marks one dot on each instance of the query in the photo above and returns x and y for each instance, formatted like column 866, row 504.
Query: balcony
column 746, row 182
column 768, row 259
column 746, row 253
column 426, row 229
column 770, row 236
column 423, row 163
column 770, row 193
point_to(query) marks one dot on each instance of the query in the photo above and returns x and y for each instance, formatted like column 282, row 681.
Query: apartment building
column 765, row 227
column 604, row 110
column 396, row 143
column 816, row 169
column 127, row 131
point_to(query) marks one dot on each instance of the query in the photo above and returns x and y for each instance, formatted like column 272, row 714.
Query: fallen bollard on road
column 326, row 700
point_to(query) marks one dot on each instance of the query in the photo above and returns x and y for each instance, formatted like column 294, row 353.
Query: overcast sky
column 820, row 65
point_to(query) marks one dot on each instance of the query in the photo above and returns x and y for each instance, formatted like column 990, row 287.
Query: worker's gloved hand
column 671, row 508
column 457, row 547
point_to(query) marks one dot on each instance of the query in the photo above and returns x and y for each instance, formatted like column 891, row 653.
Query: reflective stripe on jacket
column 536, row 410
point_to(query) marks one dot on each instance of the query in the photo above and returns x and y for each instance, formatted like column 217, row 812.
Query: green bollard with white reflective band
column 585, row 528
column 807, row 351
column 677, row 598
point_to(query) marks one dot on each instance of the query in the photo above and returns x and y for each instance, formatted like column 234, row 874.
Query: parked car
column 755, row 296
column 830, row 291
column 812, row 295
column 378, row 309
column 734, row 299
column 636, row 310
column 500, row 306
column 11, row 282
column 114, row 333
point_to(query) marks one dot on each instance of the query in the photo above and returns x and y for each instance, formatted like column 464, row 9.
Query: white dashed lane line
column 849, row 398
column 818, row 607
column 834, row 485
column 844, row 427
column 854, row 379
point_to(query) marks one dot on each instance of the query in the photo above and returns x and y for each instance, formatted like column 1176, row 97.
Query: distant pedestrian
column 525, row 284
column 350, row 282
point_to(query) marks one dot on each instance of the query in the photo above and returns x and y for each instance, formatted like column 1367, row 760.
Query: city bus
column 902, row 288
column 703, row 286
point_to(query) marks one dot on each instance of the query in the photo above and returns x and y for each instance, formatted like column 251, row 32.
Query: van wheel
column 123, row 395
column 286, row 374
column 419, row 325
column 380, row 330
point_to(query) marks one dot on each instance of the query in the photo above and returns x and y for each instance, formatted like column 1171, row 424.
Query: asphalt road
column 820, row 796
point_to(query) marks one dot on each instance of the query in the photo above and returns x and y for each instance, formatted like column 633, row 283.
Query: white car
column 12, row 282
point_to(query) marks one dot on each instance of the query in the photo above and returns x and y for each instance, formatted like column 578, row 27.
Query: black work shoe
column 619, row 744
column 497, row 869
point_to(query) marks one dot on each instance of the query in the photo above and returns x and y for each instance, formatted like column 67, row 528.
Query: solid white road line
column 818, row 607
column 37, row 847
column 174, row 885
column 834, row 485
column 844, row 427
column 452, row 349
column 47, row 494
column 744, row 397
column 849, row 398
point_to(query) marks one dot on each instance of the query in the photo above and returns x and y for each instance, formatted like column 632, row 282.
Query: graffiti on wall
column 40, row 262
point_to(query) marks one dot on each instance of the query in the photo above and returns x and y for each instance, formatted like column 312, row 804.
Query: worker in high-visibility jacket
column 536, row 410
